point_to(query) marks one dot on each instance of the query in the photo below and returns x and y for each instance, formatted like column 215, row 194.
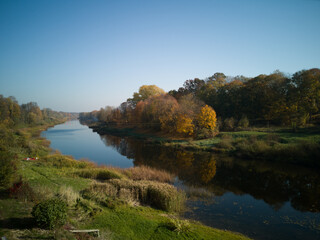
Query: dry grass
column 159, row 195
column 99, row 173
column 63, row 161
column 68, row 195
column 148, row 173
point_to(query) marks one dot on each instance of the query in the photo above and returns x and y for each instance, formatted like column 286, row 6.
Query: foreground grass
column 121, row 210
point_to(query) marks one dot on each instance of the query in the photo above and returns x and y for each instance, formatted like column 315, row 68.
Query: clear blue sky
column 83, row 55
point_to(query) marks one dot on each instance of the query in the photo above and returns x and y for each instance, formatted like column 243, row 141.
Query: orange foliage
column 207, row 118
column 184, row 125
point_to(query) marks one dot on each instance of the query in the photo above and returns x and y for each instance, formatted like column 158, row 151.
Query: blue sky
column 83, row 55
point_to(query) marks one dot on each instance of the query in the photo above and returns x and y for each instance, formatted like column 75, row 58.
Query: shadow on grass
column 18, row 223
column 4, row 194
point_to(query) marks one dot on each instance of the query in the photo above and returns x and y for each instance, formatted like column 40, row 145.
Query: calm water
column 260, row 199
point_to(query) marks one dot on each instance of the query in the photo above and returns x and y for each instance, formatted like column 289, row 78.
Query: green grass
column 301, row 147
column 145, row 223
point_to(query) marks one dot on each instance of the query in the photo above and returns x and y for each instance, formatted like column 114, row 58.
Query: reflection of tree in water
column 276, row 184
column 118, row 143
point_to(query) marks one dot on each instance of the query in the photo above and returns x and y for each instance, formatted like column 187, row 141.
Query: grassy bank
column 135, row 203
column 301, row 147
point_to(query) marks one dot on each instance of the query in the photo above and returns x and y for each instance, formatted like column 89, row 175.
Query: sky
column 79, row 56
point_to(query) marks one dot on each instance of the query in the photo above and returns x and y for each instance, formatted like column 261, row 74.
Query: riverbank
column 301, row 147
column 122, row 204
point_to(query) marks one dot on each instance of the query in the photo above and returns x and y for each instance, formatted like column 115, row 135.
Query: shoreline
column 300, row 147
column 57, row 170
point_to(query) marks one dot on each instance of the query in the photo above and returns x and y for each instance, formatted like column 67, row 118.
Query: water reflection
column 275, row 184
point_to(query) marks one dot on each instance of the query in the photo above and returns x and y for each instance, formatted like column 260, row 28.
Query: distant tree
column 190, row 105
column 193, row 86
column 306, row 93
column 144, row 93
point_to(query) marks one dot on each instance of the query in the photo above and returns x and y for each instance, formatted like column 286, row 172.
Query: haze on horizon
column 82, row 55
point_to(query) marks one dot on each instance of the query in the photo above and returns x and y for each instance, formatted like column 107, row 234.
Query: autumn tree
column 207, row 118
column 144, row 93
column 184, row 125
column 159, row 111
column 206, row 122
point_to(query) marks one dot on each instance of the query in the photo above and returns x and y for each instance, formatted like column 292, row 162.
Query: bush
column 7, row 170
column 228, row 124
column 203, row 133
column 50, row 213
column 243, row 122
column 178, row 225
column 22, row 191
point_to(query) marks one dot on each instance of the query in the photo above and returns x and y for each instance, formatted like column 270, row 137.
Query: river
column 260, row 199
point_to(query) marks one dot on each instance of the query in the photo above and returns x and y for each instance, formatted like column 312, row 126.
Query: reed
column 148, row 173
column 159, row 195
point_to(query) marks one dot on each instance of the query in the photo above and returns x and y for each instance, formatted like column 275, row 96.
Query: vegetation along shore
column 271, row 117
column 48, row 196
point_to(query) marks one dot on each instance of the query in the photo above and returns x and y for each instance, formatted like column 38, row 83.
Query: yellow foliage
column 184, row 125
column 207, row 118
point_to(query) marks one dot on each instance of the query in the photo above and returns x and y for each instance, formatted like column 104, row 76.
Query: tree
column 207, row 118
column 306, row 92
column 193, row 86
column 184, row 125
column 158, row 111
column 144, row 93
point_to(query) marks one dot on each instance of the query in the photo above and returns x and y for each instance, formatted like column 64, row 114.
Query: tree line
column 202, row 106
column 12, row 114
column 276, row 98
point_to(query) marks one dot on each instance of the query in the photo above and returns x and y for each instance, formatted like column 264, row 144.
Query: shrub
column 7, row 170
column 203, row 133
column 243, row 122
column 50, row 213
column 178, row 225
column 22, row 191
column 228, row 124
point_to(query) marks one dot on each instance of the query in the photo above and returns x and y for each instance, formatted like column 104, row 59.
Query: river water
column 260, row 199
